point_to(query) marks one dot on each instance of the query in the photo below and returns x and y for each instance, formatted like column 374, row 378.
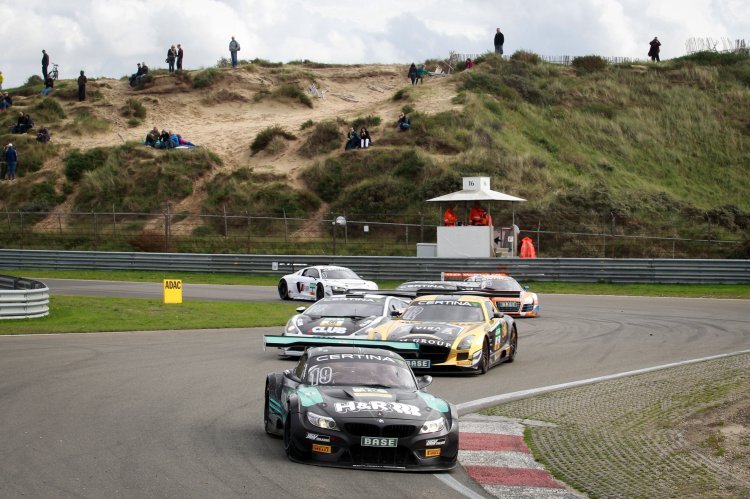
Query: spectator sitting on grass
column 43, row 135
column 24, row 124
column 403, row 122
column 364, row 138
column 352, row 140
column 152, row 137
column 163, row 142
column 174, row 139
column 185, row 142
column 49, row 83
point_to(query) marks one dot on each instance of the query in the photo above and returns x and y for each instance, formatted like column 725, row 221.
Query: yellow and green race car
column 455, row 333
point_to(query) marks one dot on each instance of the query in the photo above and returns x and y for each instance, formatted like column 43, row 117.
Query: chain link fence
column 333, row 234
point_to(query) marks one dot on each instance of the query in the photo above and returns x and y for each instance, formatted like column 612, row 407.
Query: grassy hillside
column 629, row 150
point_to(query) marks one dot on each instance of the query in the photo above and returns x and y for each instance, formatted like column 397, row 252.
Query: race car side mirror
column 299, row 310
column 395, row 313
column 526, row 288
column 497, row 315
column 290, row 374
column 424, row 381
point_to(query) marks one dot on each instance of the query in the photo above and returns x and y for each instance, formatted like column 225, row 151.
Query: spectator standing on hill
column 82, row 86
column 234, row 47
column 11, row 159
column 469, row 63
column 499, row 41
column 5, row 101
column 413, row 73
column 2, row 79
column 421, row 71
column 171, row 58
column 45, row 63
column 653, row 52
column 180, row 54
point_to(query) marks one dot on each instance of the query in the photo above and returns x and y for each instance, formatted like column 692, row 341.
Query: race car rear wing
column 291, row 341
column 472, row 292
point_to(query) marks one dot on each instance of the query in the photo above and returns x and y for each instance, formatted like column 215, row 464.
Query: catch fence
column 334, row 234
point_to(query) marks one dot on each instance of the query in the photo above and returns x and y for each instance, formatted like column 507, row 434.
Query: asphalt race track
column 179, row 413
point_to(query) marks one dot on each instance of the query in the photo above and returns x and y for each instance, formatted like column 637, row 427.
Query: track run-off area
column 179, row 413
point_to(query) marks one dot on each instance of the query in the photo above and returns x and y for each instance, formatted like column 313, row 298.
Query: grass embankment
column 72, row 314
column 678, row 432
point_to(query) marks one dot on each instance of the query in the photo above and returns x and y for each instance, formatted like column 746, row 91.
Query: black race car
column 341, row 316
column 362, row 407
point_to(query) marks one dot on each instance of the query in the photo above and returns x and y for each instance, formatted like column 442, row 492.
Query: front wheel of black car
column 484, row 363
column 268, row 425
column 513, row 345
column 291, row 451
column 283, row 290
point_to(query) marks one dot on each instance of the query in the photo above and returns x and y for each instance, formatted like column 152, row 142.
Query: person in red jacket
column 450, row 218
column 478, row 215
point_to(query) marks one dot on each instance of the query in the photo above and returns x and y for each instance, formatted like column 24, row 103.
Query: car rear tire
column 283, row 290
column 484, row 364
column 291, row 451
column 320, row 292
column 513, row 345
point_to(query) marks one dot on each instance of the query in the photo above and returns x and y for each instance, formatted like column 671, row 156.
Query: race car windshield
column 360, row 373
column 344, row 309
column 338, row 274
column 501, row 285
column 444, row 312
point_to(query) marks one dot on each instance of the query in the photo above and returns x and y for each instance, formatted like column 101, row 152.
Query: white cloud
column 108, row 38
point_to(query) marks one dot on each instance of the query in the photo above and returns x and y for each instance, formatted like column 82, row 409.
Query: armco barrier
column 539, row 269
column 22, row 298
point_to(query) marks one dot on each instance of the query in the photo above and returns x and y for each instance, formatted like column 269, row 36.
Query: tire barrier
column 23, row 298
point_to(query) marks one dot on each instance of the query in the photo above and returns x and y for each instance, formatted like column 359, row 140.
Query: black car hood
column 334, row 326
column 432, row 333
column 367, row 402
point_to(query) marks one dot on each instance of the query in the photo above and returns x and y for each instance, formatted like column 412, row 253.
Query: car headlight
column 433, row 426
column 466, row 343
column 291, row 327
column 338, row 289
column 321, row 421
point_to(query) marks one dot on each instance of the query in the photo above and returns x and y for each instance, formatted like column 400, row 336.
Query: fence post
column 96, row 230
column 333, row 227
column 114, row 222
column 407, row 235
column 59, row 223
column 538, row 238
column 286, row 227
column 167, row 229
column 248, row 230
column 20, row 214
column 226, row 228
column 421, row 228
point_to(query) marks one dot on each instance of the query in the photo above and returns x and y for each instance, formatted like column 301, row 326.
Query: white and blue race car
column 318, row 281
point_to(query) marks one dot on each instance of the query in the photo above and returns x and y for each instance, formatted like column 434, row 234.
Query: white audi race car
column 318, row 281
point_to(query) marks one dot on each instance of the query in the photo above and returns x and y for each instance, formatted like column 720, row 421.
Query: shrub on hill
column 244, row 191
column 368, row 121
column 324, row 138
column 223, row 95
column 39, row 194
column 47, row 110
column 79, row 162
column 134, row 110
column 525, row 56
column 86, row 123
column 589, row 64
column 266, row 136
column 284, row 92
column 205, row 78
column 133, row 178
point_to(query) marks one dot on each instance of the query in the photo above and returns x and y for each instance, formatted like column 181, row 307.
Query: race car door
column 308, row 281
column 498, row 335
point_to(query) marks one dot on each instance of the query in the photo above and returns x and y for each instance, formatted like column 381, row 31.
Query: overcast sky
column 109, row 38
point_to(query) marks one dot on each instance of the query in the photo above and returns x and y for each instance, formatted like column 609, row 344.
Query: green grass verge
column 741, row 291
column 74, row 314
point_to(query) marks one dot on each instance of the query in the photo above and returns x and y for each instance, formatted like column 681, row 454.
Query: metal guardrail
column 539, row 269
column 22, row 298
